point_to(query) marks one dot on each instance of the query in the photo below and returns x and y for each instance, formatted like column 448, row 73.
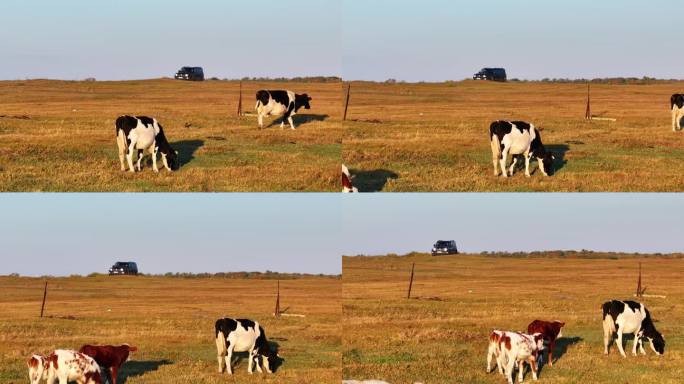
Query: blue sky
column 430, row 40
column 401, row 223
column 131, row 39
column 61, row 234
column 435, row 40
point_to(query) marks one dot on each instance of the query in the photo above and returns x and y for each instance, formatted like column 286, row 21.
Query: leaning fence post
column 276, row 313
column 42, row 307
column 346, row 103
column 587, row 113
column 408, row 296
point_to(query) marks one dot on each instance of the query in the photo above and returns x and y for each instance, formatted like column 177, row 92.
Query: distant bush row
column 312, row 79
column 268, row 275
column 582, row 254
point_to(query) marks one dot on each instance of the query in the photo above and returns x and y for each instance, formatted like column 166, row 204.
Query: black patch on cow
column 281, row 97
column 147, row 121
column 613, row 308
column 126, row 124
column 500, row 129
column 246, row 323
column 226, row 326
column 162, row 143
column 649, row 331
column 678, row 100
column 263, row 97
column 633, row 305
column 263, row 348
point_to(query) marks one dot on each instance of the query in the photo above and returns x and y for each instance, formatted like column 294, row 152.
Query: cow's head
column 270, row 360
column 546, row 163
column 657, row 343
column 559, row 325
column 37, row 367
column 171, row 159
column 302, row 101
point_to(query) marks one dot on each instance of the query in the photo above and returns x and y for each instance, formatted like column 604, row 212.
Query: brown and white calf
column 108, row 356
column 677, row 107
column 550, row 330
column 64, row 366
column 515, row 349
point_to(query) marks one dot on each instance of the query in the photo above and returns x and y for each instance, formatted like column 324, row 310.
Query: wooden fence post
column 239, row 108
column 408, row 296
column 640, row 290
column 587, row 113
column 277, row 304
column 346, row 103
column 42, row 307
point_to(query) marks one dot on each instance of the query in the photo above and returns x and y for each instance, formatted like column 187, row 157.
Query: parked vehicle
column 124, row 268
column 493, row 74
column 444, row 247
column 190, row 73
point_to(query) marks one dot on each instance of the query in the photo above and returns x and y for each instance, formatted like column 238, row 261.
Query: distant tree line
column 268, row 275
column 310, row 79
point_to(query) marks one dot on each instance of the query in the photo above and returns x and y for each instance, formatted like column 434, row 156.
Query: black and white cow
column 280, row 102
column 139, row 134
column 516, row 138
column 242, row 335
column 620, row 317
column 677, row 107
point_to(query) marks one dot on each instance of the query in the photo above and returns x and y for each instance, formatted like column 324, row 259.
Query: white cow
column 518, row 138
column 620, row 317
column 65, row 366
column 242, row 335
column 280, row 102
column 139, row 134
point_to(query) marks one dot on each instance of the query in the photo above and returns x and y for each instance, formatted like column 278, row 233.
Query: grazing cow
column 620, row 317
column 347, row 186
column 677, row 107
column 139, row 134
column 108, row 356
column 37, row 368
column 276, row 103
column 516, row 138
column 514, row 349
column 242, row 335
column 66, row 365
column 550, row 330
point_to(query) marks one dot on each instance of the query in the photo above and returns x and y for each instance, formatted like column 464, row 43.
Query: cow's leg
column 113, row 372
column 260, row 118
column 250, row 366
column 490, row 353
column 607, row 334
column 153, row 151
column 521, row 369
column 674, row 118
column 141, row 154
column 552, row 344
column 527, row 163
column 129, row 155
column 229, row 358
column 533, row 367
column 641, row 346
column 510, row 365
column 496, row 152
column 121, row 143
column 289, row 120
column 502, row 162
column 258, row 361
column 637, row 339
column 511, row 169
column 619, row 342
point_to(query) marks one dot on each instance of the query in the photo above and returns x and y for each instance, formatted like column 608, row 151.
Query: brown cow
column 550, row 330
column 108, row 356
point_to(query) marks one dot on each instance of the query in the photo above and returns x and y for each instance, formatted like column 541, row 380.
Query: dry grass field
column 441, row 334
column 434, row 137
column 171, row 320
column 59, row 136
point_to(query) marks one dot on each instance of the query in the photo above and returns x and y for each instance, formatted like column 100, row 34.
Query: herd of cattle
column 91, row 362
column 508, row 350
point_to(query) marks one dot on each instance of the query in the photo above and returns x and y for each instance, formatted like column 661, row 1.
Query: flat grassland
column 435, row 137
column 171, row 321
column 441, row 334
column 60, row 136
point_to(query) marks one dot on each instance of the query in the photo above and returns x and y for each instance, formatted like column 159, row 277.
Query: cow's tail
column 221, row 346
column 673, row 101
column 121, row 134
column 608, row 321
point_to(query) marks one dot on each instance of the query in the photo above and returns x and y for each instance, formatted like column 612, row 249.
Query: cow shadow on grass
column 298, row 120
column 241, row 358
column 372, row 181
column 186, row 150
column 560, row 349
column 558, row 151
column 134, row 368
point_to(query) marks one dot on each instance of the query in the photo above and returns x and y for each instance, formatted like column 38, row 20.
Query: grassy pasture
column 59, row 136
column 434, row 137
column 172, row 320
column 441, row 334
